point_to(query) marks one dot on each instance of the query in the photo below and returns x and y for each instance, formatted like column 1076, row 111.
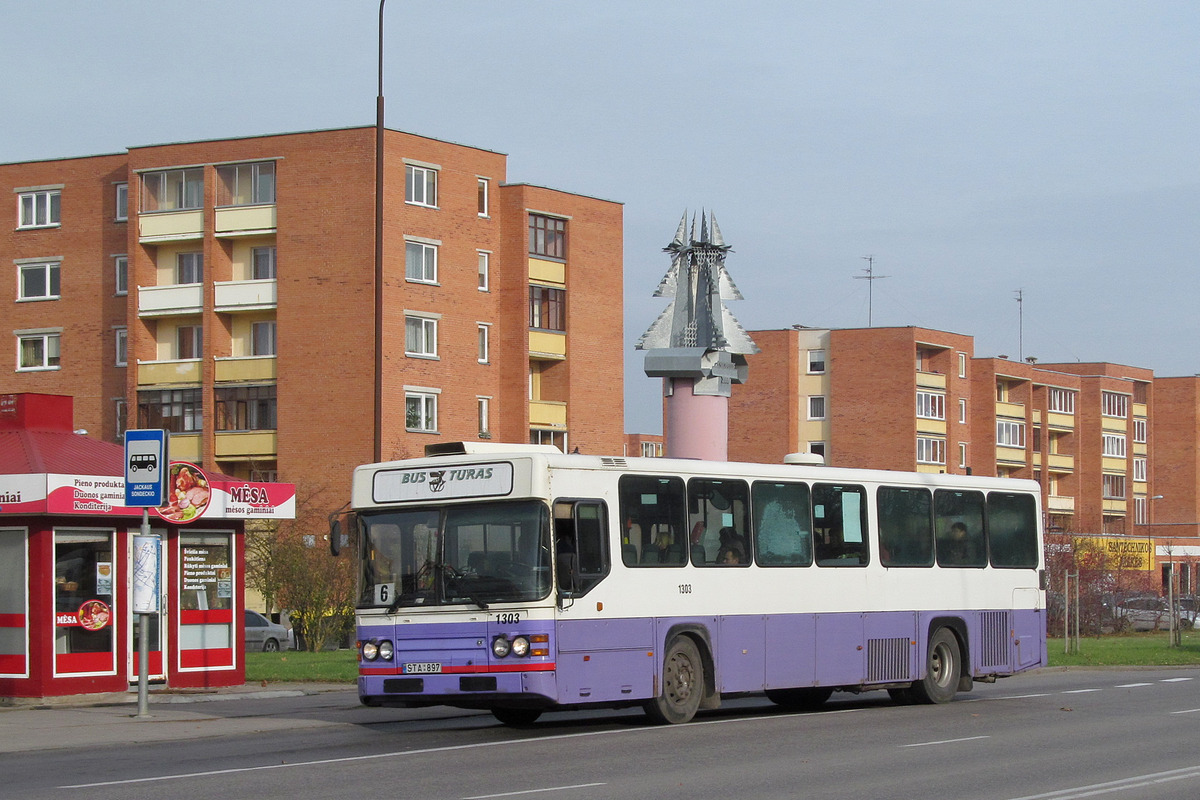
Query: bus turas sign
column 458, row 481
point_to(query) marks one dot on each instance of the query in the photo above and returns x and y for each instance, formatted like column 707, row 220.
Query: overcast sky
column 974, row 149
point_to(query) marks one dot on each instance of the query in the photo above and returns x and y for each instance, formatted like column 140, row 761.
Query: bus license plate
column 422, row 668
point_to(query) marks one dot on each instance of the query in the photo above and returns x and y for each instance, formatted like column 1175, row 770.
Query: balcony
column 186, row 447
column 163, row 373
column 243, row 444
column 1059, row 421
column 242, row 369
column 931, row 380
column 161, row 301
column 1013, row 410
column 547, row 414
column 244, row 220
column 1060, row 505
column 167, row 226
column 1057, row 462
column 547, row 346
column 931, row 426
column 233, row 296
column 1010, row 456
column 547, row 271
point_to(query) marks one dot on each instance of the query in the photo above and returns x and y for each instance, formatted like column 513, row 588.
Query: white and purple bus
column 518, row 579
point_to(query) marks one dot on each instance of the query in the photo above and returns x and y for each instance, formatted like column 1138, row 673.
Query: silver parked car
column 262, row 634
column 1151, row 614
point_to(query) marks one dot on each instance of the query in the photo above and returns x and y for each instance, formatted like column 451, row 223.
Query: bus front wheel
column 943, row 667
column 682, row 684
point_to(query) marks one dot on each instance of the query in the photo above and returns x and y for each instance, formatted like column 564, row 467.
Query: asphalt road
column 1123, row 734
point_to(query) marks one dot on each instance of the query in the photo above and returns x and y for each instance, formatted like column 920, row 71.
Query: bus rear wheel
column 943, row 667
column 517, row 717
column 682, row 684
column 808, row 699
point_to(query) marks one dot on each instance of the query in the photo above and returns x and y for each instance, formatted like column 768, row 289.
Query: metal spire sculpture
column 696, row 345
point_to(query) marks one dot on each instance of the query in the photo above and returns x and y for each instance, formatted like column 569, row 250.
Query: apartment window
column 817, row 448
column 246, row 184
column 930, row 450
column 1061, row 401
column 1114, row 444
column 262, row 338
column 173, row 190
column 1114, row 487
column 484, row 271
column 816, row 407
column 962, row 455
column 483, row 197
column 1141, row 510
column 122, row 190
column 38, row 350
column 420, row 262
column 484, row 355
column 483, row 405
column 1010, row 434
column 931, row 405
column 962, row 411
column 39, row 209
column 420, row 411
column 122, row 335
column 188, row 342
column 420, row 185
column 1139, row 431
column 189, row 268
column 652, row 449
column 420, row 336
column 174, row 410
column 121, row 268
column 816, row 362
column 1139, row 470
column 556, row 438
column 245, row 408
column 1113, row 404
column 262, row 261
column 962, row 365
column 547, row 308
column 547, row 236
column 38, row 281
column 121, row 411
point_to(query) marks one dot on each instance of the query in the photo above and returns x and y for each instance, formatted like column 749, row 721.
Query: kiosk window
column 13, row 627
column 83, row 599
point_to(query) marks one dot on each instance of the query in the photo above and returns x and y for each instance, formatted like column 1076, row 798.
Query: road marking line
column 1081, row 691
column 946, row 741
column 1132, row 685
column 1174, row 680
column 534, row 791
column 1187, row 711
column 1125, row 784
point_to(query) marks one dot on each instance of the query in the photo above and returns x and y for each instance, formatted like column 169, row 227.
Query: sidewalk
column 174, row 714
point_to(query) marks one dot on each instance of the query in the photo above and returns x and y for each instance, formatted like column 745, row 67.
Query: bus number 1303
column 685, row 588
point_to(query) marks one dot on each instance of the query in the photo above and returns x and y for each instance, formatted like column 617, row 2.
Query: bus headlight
column 386, row 650
column 370, row 651
column 500, row 646
column 520, row 647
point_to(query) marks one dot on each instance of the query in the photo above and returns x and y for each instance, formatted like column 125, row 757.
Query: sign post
column 145, row 481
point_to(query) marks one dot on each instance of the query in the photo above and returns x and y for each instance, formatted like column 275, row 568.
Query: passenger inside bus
column 733, row 547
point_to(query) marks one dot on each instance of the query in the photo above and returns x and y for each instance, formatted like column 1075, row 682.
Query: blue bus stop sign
column 145, row 467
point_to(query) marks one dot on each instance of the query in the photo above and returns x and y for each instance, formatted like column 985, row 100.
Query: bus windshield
column 474, row 554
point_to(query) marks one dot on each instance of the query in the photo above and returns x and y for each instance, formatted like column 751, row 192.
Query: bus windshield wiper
column 455, row 580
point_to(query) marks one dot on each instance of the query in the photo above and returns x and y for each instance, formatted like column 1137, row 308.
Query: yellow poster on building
column 1117, row 552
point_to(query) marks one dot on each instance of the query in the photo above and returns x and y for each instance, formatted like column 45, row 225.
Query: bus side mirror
column 335, row 534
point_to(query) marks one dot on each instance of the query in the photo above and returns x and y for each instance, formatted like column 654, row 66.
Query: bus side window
column 905, row 526
column 958, row 523
column 718, row 521
column 1012, row 530
column 840, row 514
column 782, row 524
column 653, row 514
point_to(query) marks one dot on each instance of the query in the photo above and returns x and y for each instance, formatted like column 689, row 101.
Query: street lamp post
column 378, row 432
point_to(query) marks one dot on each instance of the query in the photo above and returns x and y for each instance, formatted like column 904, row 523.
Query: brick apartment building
column 224, row 290
column 1113, row 447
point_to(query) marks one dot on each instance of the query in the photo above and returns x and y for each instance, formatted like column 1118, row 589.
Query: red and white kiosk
column 66, row 564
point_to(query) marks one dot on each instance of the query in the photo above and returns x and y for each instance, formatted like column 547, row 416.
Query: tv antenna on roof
column 870, row 278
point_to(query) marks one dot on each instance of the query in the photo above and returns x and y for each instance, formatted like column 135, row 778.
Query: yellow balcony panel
column 186, row 447
column 1060, row 421
column 1060, row 463
column 154, row 373
column 244, row 220
column 934, row 426
column 1112, row 464
column 548, row 271
column 1113, row 505
column 1141, row 410
column 1037, row 416
column 544, row 345
column 1140, row 448
column 1010, row 455
column 232, row 296
column 1013, row 410
column 245, row 368
column 931, row 380
column 244, row 444
column 160, row 301
column 1037, row 459
column 165, row 226
column 1114, row 425
column 547, row 414
column 932, row 469
column 1059, row 504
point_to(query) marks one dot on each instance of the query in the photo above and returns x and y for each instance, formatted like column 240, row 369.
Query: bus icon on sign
column 146, row 461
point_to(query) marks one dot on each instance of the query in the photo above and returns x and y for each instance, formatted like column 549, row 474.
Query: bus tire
column 517, row 717
column 943, row 668
column 682, row 684
column 901, row 697
column 807, row 699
